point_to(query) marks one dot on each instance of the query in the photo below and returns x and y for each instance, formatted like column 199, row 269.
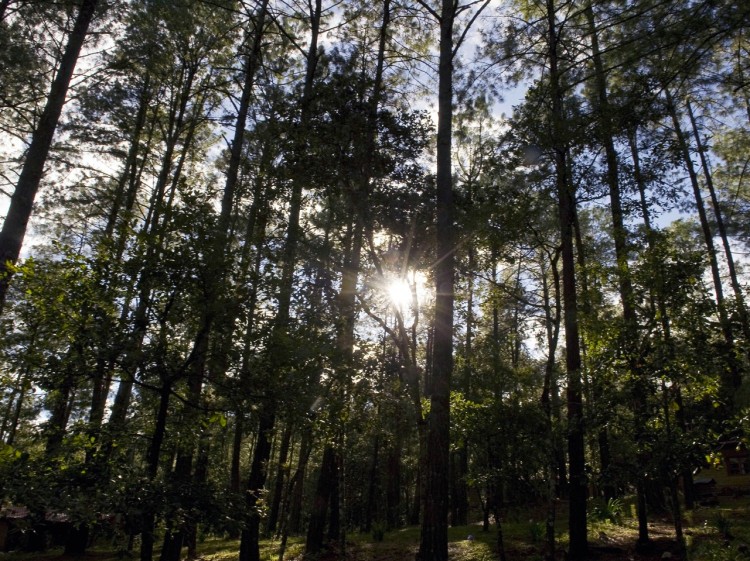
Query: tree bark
column 17, row 219
column 393, row 485
column 152, row 468
column 630, row 336
column 372, row 487
column 434, row 534
column 249, row 545
column 731, row 379
column 250, row 540
column 658, row 303
column 552, row 328
column 278, row 486
column 721, row 227
column 294, row 524
column 567, row 216
column 314, row 543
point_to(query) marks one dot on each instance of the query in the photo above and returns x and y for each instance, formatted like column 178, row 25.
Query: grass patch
column 712, row 534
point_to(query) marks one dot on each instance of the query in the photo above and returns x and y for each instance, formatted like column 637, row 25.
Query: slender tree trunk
column 658, row 297
column 297, row 485
column 122, row 195
column 335, row 528
column 721, row 227
column 256, row 230
column 372, row 487
column 731, row 379
column 672, row 477
column 123, row 230
column 460, row 459
column 250, row 542
column 252, row 63
column 347, row 311
column 154, row 231
column 630, row 336
column 11, row 438
column 15, row 403
column 552, row 327
column 393, row 485
column 567, row 213
column 249, row 546
column 59, row 410
column 152, row 468
column 278, row 487
column 328, row 488
column 234, row 470
column 17, row 219
column 499, row 538
column 200, row 477
column 182, row 475
column 212, row 313
column 316, row 530
column 434, row 534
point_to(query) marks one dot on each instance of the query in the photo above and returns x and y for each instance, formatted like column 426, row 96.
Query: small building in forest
column 705, row 490
column 19, row 531
column 10, row 532
column 730, row 471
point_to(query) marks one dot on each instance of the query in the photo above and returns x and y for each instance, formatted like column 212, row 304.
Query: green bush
column 611, row 511
column 723, row 525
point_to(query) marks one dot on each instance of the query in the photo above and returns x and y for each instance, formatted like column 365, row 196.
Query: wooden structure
column 731, row 473
column 10, row 534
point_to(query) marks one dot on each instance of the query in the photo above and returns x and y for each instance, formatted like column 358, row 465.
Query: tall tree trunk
column 358, row 204
column 252, row 63
column 127, row 182
column 250, row 540
column 234, row 470
column 434, row 533
column 278, row 487
column 122, row 227
column 567, row 215
column 182, row 475
column 292, row 505
column 316, row 530
column 249, row 545
column 327, row 491
column 13, row 428
column 213, row 320
column 630, row 335
column 17, row 219
column 731, row 378
column 657, row 297
column 460, row 458
column 153, row 231
column 672, row 477
column 296, row 493
column 721, row 227
column 59, row 405
column 393, row 485
column 256, row 230
column 200, row 477
column 372, row 487
column 152, row 468
column 552, row 328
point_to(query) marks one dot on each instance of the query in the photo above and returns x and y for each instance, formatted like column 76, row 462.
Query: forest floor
column 716, row 533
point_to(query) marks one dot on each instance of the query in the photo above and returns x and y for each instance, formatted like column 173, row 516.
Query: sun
column 400, row 294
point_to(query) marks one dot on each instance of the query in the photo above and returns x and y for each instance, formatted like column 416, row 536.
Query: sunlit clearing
column 399, row 293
